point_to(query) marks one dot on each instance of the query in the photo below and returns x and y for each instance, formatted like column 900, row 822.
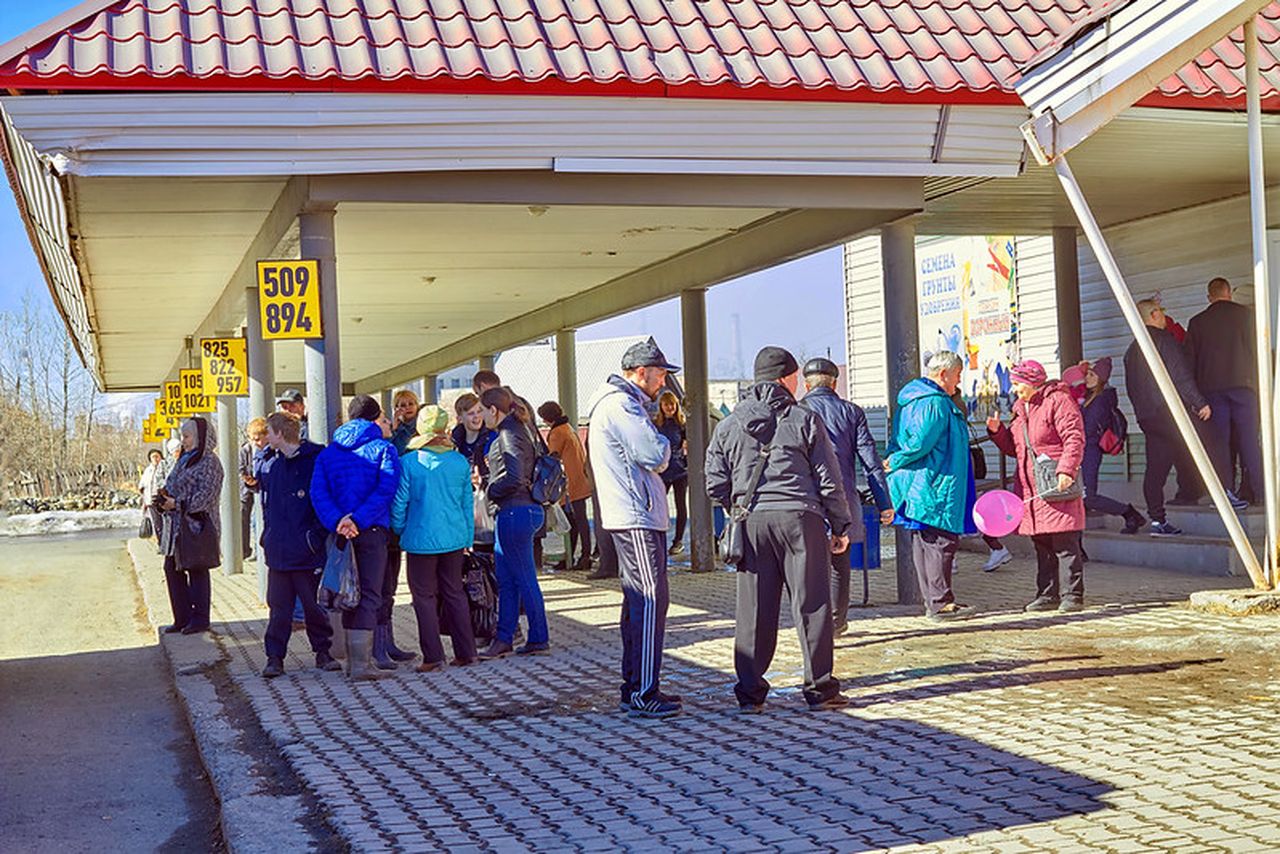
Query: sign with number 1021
column 289, row 295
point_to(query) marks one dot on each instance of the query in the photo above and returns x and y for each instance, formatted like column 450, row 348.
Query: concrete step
column 1199, row 521
column 1187, row 554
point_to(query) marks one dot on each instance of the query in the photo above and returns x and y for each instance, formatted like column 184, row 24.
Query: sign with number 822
column 289, row 296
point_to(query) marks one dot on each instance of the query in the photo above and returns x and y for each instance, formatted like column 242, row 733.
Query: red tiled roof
column 900, row 50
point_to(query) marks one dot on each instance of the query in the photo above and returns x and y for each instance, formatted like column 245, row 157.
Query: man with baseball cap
column 846, row 425
column 628, row 455
column 291, row 401
column 798, row 494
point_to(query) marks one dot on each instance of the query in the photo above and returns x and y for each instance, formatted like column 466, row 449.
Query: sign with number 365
column 289, row 295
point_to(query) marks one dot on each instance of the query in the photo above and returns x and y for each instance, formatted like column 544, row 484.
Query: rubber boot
column 380, row 658
column 359, row 656
column 396, row 653
column 339, row 648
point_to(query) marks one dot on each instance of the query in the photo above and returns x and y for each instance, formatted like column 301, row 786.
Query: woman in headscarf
column 1047, row 425
column 190, row 497
column 1101, row 407
column 149, row 484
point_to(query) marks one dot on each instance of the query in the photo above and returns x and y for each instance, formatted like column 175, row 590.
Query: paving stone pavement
column 1135, row 725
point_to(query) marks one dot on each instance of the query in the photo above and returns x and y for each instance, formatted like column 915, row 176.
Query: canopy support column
column 262, row 401
column 1066, row 279
column 1262, row 297
column 387, row 398
column 902, row 348
column 229, row 501
column 1182, row 418
column 324, row 382
column 693, row 320
column 566, row 374
column 486, row 362
column 429, row 393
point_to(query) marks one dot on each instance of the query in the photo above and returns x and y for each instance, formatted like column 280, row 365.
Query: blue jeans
column 517, row 577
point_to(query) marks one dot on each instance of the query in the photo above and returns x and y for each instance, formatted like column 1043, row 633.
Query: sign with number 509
column 289, row 296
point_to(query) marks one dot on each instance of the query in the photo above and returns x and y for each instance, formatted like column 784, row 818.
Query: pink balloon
column 998, row 513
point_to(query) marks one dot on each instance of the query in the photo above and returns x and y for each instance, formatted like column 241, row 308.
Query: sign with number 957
column 289, row 296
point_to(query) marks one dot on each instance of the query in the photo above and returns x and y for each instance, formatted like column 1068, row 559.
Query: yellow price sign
column 194, row 400
column 153, row 430
column 224, row 366
column 289, row 297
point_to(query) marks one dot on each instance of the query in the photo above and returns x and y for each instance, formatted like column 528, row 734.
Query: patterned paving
column 1135, row 725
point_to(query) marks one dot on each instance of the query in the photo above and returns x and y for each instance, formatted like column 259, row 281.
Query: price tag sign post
column 194, row 400
column 224, row 367
column 289, row 300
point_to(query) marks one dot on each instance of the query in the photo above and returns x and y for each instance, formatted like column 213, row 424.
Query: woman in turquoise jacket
column 433, row 515
column 930, row 481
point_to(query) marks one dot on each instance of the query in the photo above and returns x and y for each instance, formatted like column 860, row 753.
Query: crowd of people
column 435, row 489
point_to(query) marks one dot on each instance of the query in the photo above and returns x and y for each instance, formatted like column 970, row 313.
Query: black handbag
column 977, row 456
column 733, row 539
column 197, row 546
column 1045, row 471
column 145, row 529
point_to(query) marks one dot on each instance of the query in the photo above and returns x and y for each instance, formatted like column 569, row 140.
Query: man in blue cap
column 628, row 455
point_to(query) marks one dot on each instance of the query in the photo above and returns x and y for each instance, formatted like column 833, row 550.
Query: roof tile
column 926, row 48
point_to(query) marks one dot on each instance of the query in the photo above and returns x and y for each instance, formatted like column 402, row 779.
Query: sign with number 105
column 289, row 296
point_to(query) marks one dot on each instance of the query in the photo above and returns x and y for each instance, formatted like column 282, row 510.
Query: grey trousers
column 934, row 554
column 784, row 549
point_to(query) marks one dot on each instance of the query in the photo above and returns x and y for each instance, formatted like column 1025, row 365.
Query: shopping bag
column 340, row 581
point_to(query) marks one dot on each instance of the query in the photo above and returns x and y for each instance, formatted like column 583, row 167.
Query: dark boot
column 274, row 668
column 1133, row 520
column 325, row 661
column 380, row 657
column 396, row 653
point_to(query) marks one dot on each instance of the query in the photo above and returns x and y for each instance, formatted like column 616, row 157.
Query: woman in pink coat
column 1047, row 414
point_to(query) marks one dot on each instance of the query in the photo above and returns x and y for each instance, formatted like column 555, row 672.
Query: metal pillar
column 324, row 380
column 387, row 398
column 262, row 360
column 1261, row 296
column 429, row 393
column 1182, row 418
column 487, row 361
column 229, row 501
column 902, row 351
column 1066, row 280
column 567, row 374
column 693, row 321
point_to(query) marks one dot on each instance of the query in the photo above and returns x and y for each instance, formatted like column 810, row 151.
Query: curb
column 263, row 808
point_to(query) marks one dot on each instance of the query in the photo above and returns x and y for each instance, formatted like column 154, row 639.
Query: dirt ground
column 94, row 752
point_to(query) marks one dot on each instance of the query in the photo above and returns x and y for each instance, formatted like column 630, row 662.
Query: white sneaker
column 998, row 559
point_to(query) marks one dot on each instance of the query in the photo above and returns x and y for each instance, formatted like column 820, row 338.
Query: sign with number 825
column 289, row 296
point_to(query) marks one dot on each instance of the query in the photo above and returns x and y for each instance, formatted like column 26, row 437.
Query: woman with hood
column 1101, row 407
column 190, row 497
column 1047, row 425
column 434, row 517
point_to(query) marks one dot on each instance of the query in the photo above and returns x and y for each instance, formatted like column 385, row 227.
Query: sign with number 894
column 289, row 297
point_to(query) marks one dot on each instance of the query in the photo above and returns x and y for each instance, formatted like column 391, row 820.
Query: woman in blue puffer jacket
column 435, row 519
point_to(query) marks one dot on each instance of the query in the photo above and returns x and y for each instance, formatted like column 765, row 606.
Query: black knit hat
column 774, row 363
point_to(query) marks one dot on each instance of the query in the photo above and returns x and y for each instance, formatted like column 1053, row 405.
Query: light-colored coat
column 628, row 455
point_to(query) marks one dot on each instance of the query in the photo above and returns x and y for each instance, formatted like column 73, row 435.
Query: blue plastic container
column 866, row 555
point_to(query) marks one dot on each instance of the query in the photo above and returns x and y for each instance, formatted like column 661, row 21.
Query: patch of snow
column 68, row 522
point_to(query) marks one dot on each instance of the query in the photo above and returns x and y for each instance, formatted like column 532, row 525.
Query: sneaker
column 677, row 548
column 998, row 558
column 497, row 649
column 1236, row 502
column 1164, row 529
column 1071, row 604
column 598, row 574
column 325, row 661
column 835, row 701
column 274, row 668
column 534, row 649
column 656, row 707
column 1043, row 603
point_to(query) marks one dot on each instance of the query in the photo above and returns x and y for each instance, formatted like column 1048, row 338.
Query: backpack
column 549, row 481
column 1114, row 433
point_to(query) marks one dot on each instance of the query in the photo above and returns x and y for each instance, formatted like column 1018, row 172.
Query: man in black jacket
column 1165, row 448
column 799, row 493
column 846, row 424
column 1223, row 352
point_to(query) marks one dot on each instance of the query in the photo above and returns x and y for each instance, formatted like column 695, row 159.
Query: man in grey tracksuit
column 627, row 456
column 799, row 497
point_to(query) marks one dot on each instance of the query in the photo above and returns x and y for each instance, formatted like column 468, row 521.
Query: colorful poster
column 968, row 303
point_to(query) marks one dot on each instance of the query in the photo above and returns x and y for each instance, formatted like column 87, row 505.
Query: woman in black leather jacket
column 511, row 459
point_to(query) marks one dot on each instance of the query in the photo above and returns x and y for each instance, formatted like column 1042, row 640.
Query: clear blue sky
column 799, row 305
